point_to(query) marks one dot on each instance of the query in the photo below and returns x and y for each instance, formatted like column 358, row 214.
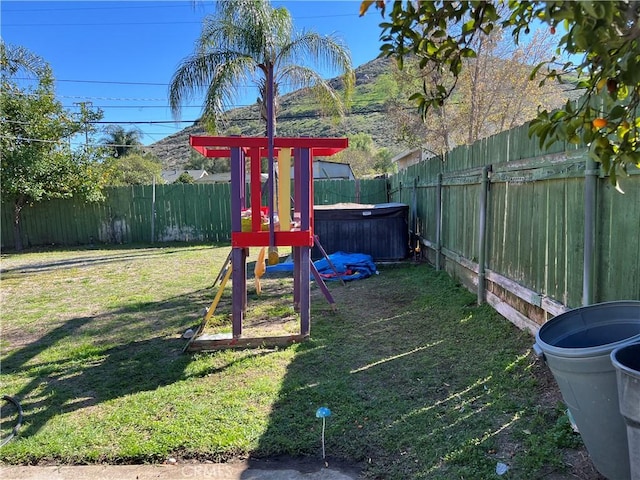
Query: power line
column 155, row 6
column 140, row 122
column 137, row 24
column 110, row 82
column 237, row 105
column 156, row 106
column 66, row 141
column 104, row 24
column 253, row 86
column 165, row 122
column 114, row 99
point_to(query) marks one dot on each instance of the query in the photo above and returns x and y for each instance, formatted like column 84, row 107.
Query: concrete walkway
column 218, row 471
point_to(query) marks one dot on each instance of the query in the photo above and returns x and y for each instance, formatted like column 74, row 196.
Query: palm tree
column 120, row 140
column 250, row 41
column 14, row 59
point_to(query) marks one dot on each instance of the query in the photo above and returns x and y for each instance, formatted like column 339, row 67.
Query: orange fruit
column 599, row 123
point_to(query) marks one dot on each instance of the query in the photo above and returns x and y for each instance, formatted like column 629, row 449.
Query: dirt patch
column 305, row 464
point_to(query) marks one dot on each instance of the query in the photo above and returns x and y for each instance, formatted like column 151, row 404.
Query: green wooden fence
column 531, row 261
column 529, row 264
column 182, row 212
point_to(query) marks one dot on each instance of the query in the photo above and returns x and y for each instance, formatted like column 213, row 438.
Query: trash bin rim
column 621, row 366
column 585, row 352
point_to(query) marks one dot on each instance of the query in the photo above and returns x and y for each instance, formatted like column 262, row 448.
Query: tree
column 35, row 131
column 382, row 161
column 120, row 142
column 184, row 178
column 363, row 157
column 492, row 93
column 604, row 36
column 211, row 165
column 133, row 169
column 250, row 41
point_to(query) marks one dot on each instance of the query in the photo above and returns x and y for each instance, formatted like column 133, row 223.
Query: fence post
column 482, row 232
column 439, row 221
column 590, row 186
column 153, row 210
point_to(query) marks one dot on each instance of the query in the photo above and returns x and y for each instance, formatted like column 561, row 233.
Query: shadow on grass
column 86, row 361
column 129, row 253
column 420, row 381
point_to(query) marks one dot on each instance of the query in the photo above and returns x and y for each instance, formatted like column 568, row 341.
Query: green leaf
column 622, row 92
column 468, row 53
column 617, row 113
column 468, row 26
column 535, row 70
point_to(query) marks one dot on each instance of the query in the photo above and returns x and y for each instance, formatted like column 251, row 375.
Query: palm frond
column 323, row 51
column 328, row 99
column 246, row 35
column 223, row 91
column 202, row 71
column 15, row 58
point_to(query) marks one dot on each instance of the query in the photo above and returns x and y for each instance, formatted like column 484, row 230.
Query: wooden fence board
column 618, row 239
column 535, row 217
column 183, row 212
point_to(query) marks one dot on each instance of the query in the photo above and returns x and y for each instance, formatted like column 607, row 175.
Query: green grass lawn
column 421, row 382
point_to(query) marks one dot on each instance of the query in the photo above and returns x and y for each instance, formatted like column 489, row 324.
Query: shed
column 380, row 230
column 326, row 170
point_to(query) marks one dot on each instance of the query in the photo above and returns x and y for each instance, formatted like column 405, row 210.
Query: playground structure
column 286, row 221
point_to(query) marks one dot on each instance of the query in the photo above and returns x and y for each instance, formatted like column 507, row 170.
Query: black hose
column 14, row 432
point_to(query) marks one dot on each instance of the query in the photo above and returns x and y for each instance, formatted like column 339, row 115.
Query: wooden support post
column 305, row 285
column 304, row 181
column 322, row 285
column 296, row 278
column 239, row 289
column 326, row 257
column 284, row 189
column 238, row 255
column 256, row 190
column 238, row 199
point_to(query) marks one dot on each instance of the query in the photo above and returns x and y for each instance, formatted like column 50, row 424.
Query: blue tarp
column 350, row 266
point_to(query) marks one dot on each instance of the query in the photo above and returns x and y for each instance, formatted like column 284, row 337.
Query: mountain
column 299, row 116
column 500, row 96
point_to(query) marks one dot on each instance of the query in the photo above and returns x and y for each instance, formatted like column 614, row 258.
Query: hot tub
column 379, row 230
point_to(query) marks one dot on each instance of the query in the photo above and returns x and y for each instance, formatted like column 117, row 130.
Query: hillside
column 378, row 88
column 300, row 117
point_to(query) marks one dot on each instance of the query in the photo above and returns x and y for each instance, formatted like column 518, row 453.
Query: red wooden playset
column 286, row 221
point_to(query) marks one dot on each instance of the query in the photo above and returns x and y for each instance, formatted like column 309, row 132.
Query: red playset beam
column 218, row 147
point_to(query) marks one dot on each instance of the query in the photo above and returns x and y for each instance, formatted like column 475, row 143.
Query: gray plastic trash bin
column 576, row 346
column 626, row 361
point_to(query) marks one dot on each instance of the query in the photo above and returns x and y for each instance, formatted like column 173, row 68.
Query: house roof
column 408, row 157
column 170, row 176
column 323, row 169
column 225, row 177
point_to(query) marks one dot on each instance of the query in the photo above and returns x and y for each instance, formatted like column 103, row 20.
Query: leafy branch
column 601, row 38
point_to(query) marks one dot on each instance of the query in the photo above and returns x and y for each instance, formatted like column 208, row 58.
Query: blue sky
column 120, row 55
